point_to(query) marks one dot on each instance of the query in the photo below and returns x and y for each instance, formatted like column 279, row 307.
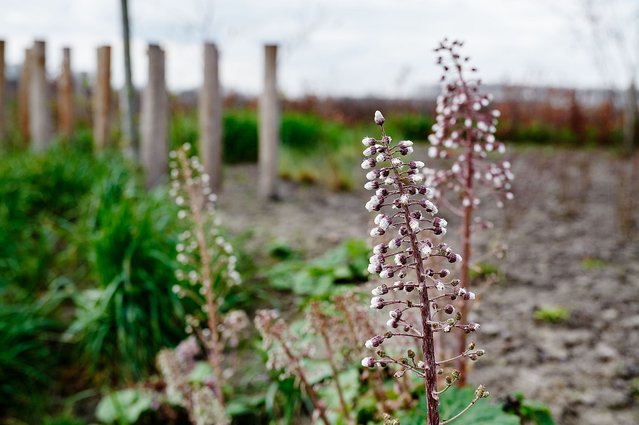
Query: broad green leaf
column 455, row 400
column 200, row 373
column 124, row 406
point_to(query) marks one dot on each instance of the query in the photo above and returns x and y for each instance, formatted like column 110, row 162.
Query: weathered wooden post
column 3, row 121
column 102, row 99
column 210, row 117
column 129, row 132
column 269, row 126
column 66, row 113
column 39, row 115
column 23, row 96
column 154, row 120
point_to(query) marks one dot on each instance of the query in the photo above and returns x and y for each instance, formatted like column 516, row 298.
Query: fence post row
column 39, row 119
column 154, row 120
column 102, row 99
column 66, row 113
column 269, row 126
column 2, row 93
column 35, row 121
column 210, row 118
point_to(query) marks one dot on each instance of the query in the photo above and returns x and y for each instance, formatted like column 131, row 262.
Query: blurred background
column 275, row 97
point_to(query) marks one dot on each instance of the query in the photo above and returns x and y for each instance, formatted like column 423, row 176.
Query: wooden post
column 131, row 140
column 102, row 99
column 3, row 121
column 66, row 113
column 269, row 126
column 155, row 104
column 23, row 96
column 210, row 116
column 39, row 115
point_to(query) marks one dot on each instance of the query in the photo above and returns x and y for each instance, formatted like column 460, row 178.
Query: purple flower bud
column 368, row 362
column 377, row 302
column 395, row 314
column 368, row 163
column 379, row 118
column 371, row 185
column 372, row 175
column 374, row 342
column 371, row 150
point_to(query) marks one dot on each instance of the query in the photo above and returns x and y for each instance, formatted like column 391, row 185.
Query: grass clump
column 552, row 315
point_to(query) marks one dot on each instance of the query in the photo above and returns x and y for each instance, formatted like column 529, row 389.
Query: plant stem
column 213, row 344
column 331, row 361
column 447, row 421
column 466, row 250
column 300, row 373
column 428, row 344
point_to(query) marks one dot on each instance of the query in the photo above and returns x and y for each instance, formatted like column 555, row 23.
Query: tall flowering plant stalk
column 408, row 217
column 464, row 131
column 207, row 262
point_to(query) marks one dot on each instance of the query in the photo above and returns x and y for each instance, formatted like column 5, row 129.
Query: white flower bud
column 368, row 362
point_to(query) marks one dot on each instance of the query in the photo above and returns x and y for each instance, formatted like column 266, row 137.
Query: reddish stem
column 428, row 344
column 466, row 250
column 213, row 344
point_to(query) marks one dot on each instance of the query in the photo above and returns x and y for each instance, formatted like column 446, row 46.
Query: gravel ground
column 566, row 249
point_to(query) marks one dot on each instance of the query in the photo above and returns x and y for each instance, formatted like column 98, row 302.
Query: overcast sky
column 336, row 47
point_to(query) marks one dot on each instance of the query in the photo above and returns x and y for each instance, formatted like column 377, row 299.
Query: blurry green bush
column 39, row 195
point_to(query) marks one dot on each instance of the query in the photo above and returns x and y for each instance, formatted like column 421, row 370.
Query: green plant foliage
column 201, row 372
column 133, row 312
column 125, row 406
column 553, row 315
column 592, row 263
column 240, row 137
column 345, row 264
column 183, row 129
column 63, row 420
column 302, row 132
column 483, row 270
column 530, row 412
column 281, row 250
column 415, row 127
column 456, row 399
column 28, row 337
column 350, row 382
column 39, row 197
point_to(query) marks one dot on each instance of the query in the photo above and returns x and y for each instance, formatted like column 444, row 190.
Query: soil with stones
column 571, row 245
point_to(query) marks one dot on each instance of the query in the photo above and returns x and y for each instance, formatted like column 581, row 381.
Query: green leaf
column 124, row 406
column 537, row 412
column 349, row 382
column 455, row 400
column 241, row 405
column 200, row 373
